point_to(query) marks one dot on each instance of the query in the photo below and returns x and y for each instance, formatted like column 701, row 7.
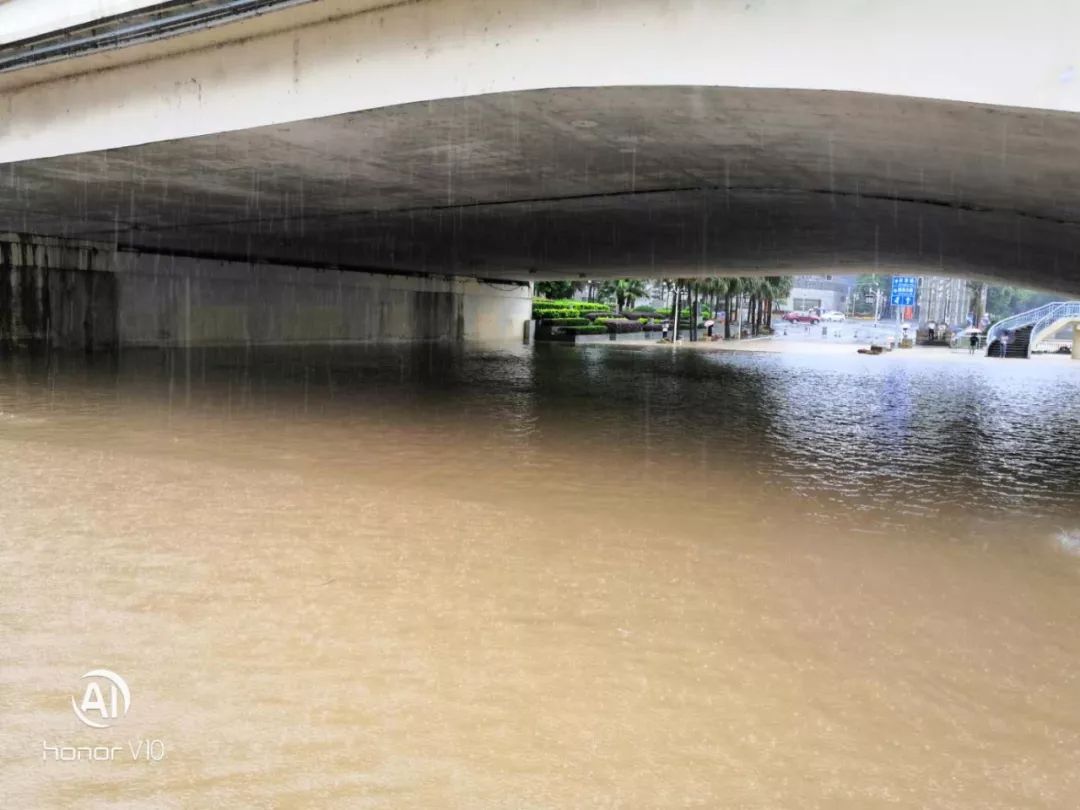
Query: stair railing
column 1067, row 309
column 1047, row 314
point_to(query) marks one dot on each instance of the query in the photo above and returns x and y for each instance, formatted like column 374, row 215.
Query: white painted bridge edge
column 22, row 19
column 355, row 55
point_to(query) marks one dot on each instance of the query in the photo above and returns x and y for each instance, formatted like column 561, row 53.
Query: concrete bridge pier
column 55, row 296
column 64, row 294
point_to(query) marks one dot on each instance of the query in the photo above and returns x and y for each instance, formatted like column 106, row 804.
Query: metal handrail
column 1046, row 313
column 158, row 21
column 1070, row 309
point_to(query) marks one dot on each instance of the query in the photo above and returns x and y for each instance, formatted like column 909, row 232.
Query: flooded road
column 533, row 578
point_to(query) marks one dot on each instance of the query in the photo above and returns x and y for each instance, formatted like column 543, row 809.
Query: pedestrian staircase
column 1019, row 344
column 1028, row 328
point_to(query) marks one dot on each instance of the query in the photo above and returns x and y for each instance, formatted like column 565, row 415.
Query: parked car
column 834, row 316
column 801, row 317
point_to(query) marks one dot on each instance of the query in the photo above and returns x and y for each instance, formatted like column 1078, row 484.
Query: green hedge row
column 621, row 326
column 575, row 310
column 566, row 308
column 585, row 330
column 566, row 321
column 548, row 314
column 684, row 314
column 570, row 303
column 644, row 317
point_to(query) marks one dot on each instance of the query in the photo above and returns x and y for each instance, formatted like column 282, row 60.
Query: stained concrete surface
column 632, row 181
column 44, row 305
column 60, row 294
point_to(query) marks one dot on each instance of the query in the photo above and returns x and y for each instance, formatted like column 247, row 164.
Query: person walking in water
column 973, row 342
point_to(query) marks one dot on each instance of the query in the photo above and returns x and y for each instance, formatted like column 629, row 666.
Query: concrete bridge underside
column 597, row 182
column 215, row 166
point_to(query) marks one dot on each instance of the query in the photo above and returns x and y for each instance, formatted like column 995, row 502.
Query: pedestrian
column 931, row 329
column 1004, row 341
column 973, row 342
column 664, row 330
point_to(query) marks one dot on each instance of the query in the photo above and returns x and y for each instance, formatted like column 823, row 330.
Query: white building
column 943, row 300
column 819, row 292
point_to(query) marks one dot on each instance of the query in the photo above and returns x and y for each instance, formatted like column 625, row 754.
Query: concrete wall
column 365, row 54
column 70, row 295
column 823, row 299
column 56, row 295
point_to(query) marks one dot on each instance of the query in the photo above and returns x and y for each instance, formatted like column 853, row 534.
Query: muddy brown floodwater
column 417, row 577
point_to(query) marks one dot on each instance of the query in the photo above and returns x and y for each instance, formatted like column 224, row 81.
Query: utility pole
column 675, row 316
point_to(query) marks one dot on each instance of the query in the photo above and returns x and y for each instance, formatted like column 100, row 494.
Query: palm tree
column 727, row 288
column 692, row 286
column 712, row 288
column 779, row 288
column 745, row 289
column 558, row 289
column 625, row 291
column 763, row 292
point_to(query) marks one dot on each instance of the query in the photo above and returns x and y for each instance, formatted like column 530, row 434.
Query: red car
column 802, row 317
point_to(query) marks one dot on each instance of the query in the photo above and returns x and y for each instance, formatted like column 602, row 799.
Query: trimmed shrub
column 566, row 321
column 550, row 309
column 684, row 314
column 564, row 304
column 645, row 308
column 570, row 303
column 541, row 314
column 621, row 325
column 584, row 330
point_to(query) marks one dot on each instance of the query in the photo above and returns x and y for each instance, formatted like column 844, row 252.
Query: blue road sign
column 903, row 291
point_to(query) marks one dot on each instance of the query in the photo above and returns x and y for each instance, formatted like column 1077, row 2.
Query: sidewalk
column 769, row 345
